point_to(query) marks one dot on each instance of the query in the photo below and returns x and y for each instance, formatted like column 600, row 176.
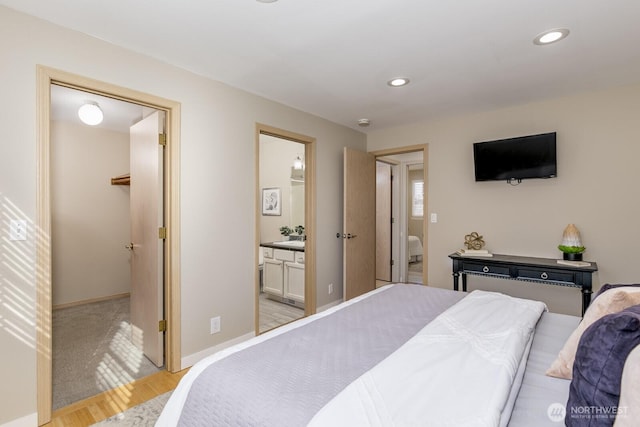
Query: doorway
column 285, row 227
column 359, row 223
column 46, row 78
column 407, row 205
column 96, row 308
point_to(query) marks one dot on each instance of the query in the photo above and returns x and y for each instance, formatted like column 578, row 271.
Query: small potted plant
column 571, row 246
column 286, row 231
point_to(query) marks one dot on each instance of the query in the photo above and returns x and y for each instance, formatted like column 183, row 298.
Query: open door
column 147, row 247
column 383, row 221
column 359, row 232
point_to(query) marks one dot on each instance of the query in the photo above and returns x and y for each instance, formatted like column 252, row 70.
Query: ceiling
column 333, row 58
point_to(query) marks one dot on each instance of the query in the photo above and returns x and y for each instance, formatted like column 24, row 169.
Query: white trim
column 192, row 359
column 30, row 420
column 328, row 306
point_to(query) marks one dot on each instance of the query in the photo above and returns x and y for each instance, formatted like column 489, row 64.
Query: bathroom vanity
column 283, row 271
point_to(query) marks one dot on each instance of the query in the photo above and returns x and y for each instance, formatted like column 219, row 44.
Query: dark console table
column 541, row 270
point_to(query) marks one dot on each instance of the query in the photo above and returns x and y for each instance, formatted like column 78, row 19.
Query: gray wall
column 217, row 212
column 597, row 188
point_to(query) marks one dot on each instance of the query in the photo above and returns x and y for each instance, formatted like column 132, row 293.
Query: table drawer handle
column 485, row 269
column 544, row 276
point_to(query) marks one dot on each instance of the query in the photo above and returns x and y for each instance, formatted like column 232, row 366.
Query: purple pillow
column 608, row 286
column 597, row 371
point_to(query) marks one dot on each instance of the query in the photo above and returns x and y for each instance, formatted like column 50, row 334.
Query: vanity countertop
column 291, row 245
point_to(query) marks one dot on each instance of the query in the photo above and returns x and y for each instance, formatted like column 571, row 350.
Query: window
column 417, row 198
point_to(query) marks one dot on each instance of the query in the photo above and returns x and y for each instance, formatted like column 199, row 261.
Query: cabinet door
column 294, row 281
column 273, row 277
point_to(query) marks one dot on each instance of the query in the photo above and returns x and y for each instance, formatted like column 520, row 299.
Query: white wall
column 90, row 217
column 598, row 145
column 218, row 204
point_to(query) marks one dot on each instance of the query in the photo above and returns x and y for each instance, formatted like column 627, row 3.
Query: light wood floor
column 97, row 408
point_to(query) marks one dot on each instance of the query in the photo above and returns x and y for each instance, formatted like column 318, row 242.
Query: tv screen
column 524, row 157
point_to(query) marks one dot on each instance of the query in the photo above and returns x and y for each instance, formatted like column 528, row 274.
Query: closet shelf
column 121, row 180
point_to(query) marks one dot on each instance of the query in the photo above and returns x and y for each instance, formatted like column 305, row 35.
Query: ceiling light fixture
column 90, row 113
column 551, row 36
column 398, row 82
column 266, row 1
column 364, row 123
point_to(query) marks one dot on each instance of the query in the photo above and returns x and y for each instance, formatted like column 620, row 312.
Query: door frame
column 309, row 216
column 424, row 148
column 45, row 77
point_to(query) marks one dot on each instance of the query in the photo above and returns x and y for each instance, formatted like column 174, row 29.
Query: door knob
column 129, row 246
column 351, row 236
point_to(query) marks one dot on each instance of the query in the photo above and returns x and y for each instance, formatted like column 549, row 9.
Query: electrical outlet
column 330, row 288
column 18, row 229
column 215, row 325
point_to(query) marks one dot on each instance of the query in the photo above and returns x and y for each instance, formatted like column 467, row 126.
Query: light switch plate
column 434, row 218
column 18, row 229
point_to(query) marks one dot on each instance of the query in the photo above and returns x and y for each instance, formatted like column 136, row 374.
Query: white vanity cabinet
column 273, row 277
column 283, row 277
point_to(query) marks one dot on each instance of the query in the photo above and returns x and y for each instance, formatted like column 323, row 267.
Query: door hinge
column 162, row 233
column 393, row 220
column 162, row 139
column 393, row 262
column 162, row 326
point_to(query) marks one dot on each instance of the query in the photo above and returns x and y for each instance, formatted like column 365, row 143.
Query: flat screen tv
column 515, row 159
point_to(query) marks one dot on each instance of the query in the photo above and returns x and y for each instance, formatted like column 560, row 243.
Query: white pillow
column 610, row 301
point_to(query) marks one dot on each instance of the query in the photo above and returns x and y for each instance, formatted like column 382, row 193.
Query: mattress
column 415, row 246
column 538, row 391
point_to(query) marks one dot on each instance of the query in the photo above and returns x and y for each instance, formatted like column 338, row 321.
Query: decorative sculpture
column 571, row 246
column 473, row 241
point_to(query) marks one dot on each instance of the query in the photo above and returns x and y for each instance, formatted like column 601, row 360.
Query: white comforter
column 458, row 371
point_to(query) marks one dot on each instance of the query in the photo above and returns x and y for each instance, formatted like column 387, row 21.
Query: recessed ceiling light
column 551, row 36
column 266, row 1
column 398, row 81
column 364, row 122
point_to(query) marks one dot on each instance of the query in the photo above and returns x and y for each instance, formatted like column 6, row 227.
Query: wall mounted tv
column 515, row 159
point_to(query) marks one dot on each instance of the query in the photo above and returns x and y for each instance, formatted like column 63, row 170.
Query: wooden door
column 383, row 221
column 359, row 232
column 147, row 272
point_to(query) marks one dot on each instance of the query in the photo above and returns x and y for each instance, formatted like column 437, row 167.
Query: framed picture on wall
column 271, row 201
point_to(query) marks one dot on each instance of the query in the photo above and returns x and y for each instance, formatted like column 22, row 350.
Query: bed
column 403, row 355
column 415, row 249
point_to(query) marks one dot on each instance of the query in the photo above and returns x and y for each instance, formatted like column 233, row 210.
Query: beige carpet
column 92, row 351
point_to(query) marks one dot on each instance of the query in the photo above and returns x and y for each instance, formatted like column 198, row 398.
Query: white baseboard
column 192, row 359
column 328, row 306
column 30, row 420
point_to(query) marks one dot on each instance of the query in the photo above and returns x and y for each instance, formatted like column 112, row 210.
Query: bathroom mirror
column 297, row 202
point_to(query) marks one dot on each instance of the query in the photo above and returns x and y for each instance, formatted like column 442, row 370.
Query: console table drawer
column 552, row 276
column 495, row 270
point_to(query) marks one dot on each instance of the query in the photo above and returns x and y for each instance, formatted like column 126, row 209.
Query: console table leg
column 586, row 299
column 464, row 282
column 455, row 281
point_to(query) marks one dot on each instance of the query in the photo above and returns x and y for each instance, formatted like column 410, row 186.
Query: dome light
column 90, row 114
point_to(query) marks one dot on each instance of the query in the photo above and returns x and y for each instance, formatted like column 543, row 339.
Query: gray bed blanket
column 285, row 380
